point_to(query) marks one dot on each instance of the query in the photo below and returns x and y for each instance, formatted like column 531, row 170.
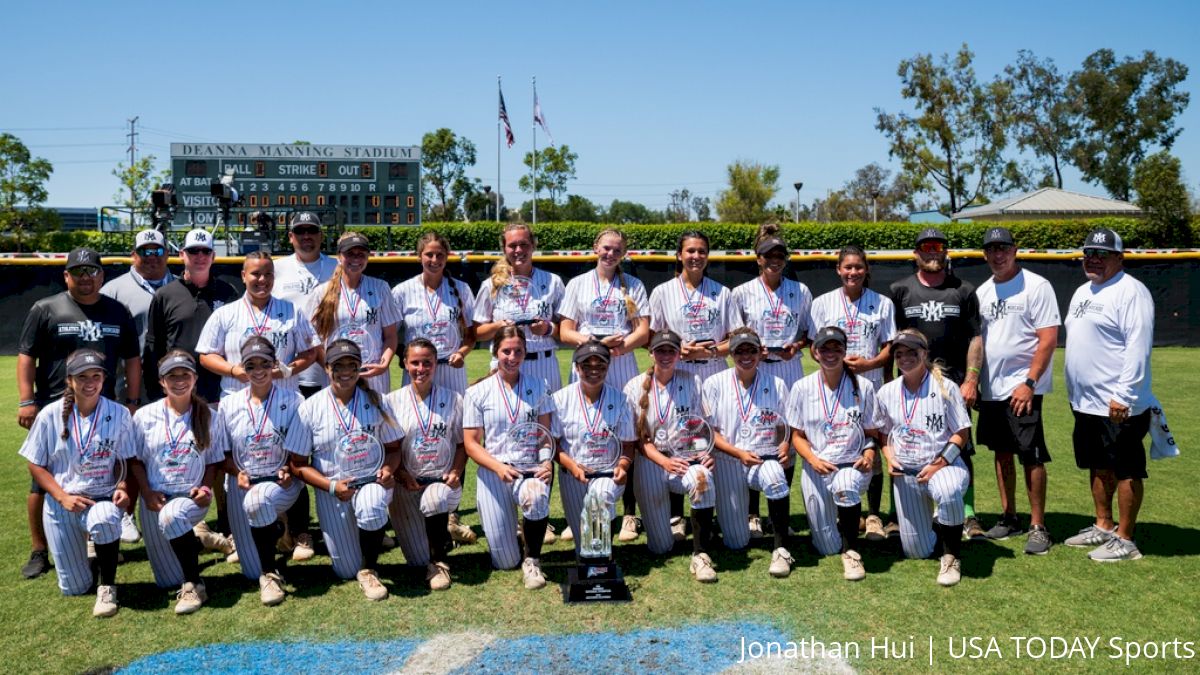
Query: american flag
column 508, row 134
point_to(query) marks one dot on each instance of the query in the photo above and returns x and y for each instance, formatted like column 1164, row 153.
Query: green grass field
column 1003, row 593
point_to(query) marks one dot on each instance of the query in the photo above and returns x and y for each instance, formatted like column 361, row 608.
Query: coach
column 1019, row 317
column 136, row 288
column 1110, row 331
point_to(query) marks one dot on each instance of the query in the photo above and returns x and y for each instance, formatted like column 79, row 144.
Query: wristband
column 285, row 369
column 1030, row 382
column 23, row 404
column 333, row 487
column 972, row 369
column 870, row 445
column 206, row 490
column 949, row 453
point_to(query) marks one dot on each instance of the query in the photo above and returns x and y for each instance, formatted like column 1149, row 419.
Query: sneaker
column 1038, row 542
column 852, row 566
column 229, row 548
column 678, row 528
column 567, row 534
column 388, row 542
column 304, row 547
column 37, row 565
column 209, row 540
column 106, row 602
column 550, row 537
column 629, row 529
column 781, row 563
column 862, row 524
column 756, row 528
column 950, row 571
column 1007, row 526
column 270, row 589
column 286, row 543
column 972, row 529
column 189, row 598
column 874, row 529
column 438, row 576
column 1116, row 549
column 371, row 586
column 459, row 533
column 703, row 569
column 1089, row 536
column 891, row 530
column 531, row 569
column 129, row 531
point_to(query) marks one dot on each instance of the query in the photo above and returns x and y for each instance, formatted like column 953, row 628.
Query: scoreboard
column 367, row 184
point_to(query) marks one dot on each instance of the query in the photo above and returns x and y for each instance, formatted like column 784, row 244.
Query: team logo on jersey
column 996, row 309
column 88, row 331
column 1086, row 307
column 372, row 315
column 854, row 415
column 935, row 422
column 932, row 310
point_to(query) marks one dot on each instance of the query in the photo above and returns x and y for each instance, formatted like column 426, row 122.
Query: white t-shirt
column 245, row 424
column 106, row 430
column 231, row 325
column 434, row 316
column 833, row 420
column 296, row 281
column 1012, row 312
column 747, row 416
column 682, row 395
column 592, row 433
column 919, row 424
column 779, row 316
column 598, row 307
column 433, row 423
column 869, row 322
column 541, row 299
column 158, row 434
column 1110, row 332
column 493, row 406
column 323, row 421
column 703, row 313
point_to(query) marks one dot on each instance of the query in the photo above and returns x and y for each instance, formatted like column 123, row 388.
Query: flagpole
column 499, row 94
column 535, row 163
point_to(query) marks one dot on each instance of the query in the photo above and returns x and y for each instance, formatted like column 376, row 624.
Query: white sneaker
column 874, row 529
column 270, row 589
column 703, row 569
column 304, row 548
column 229, row 548
column 531, row 568
column 756, row 529
column 629, row 529
column 781, row 563
column 371, row 586
column 129, row 531
column 550, row 537
column 189, row 598
column 567, row 534
column 852, row 566
column 106, row 602
column 950, row 571
column 459, row 533
column 438, row 576
column 678, row 528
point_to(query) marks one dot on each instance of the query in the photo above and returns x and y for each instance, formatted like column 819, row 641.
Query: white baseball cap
column 198, row 238
column 149, row 238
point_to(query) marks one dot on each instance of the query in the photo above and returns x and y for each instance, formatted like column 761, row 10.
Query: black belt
column 534, row 356
column 773, row 360
column 443, row 362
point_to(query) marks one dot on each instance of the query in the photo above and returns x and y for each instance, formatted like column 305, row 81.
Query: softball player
column 500, row 302
column 747, row 401
column 352, row 519
column 592, row 413
column 927, row 424
column 659, row 396
column 82, row 422
column 428, row 413
column 257, row 313
column 869, row 321
column 360, row 308
column 265, row 413
column 438, row 308
column 836, row 429
column 492, row 406
column 180, row 423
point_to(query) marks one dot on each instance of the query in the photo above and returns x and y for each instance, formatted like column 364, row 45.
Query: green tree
column 702, row 207
column 956, row 139
column 444, row 161
column 751, row 187
column 1158, row 180
column 137, row 181
column 547, row 210
column 23, row 189
column 1042, row 115
column 1125, row 107
column 630, row 212
column 555, row 166
column 680, row 208
column 579, row 209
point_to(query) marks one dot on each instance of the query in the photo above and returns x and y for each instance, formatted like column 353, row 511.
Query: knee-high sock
column 951, row 539
column 535, row 535
column 264, row 544
column 701, row 528
column 875, row 494
column 106, row 559
column 676, row 505
column 847, row 523
column 187, row 551
column 371, row 543
column 439, row 537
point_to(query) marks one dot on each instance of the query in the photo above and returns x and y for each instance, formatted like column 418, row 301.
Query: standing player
column 516, row 292
column 836, row 428
column 257, row 313
column 927, row 425
column 430, row 415
column 85, row 424
column 1020, row 332
column 77, row 318
column 352, row 519
column 179, row 425
column 1110, row 333
column 354, row 306
column 262, row 417
column 946, row 311
column 494, row 405
column 869, row 321
column 660, row 396
column 749, row 418
column 596, row 433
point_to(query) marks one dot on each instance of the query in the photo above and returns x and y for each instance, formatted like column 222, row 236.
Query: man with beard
column 945, row 309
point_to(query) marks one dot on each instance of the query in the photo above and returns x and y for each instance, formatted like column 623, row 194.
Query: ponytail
column 644, row 403
column 325, row 318
column 68, row 403
column 201, row 418
column 764, row 231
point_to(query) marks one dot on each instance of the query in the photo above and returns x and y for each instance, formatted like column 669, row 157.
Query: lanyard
column 851, row 318
column 427, row 422
column 346, row 422
column 661, row 411
column 909, row 413
column 259, row 326
column 693, row 301
column 774, row 301
column 522, row 299
column 592, row 421
column 436, row 306
column 611, row 287
column 829, row 411
column 351, row 308
column 747, row 402
column 172, row 439
column 512, row 411
column 95, row 422
column 266, row 408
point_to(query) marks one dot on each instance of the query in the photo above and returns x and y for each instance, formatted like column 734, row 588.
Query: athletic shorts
column 1103, row 444
column 1002, row 431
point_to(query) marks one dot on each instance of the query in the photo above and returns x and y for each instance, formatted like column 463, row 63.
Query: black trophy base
column 595, row 581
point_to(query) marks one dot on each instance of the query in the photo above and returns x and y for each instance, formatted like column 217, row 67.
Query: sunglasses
column 151, row 251
column 198, row 251
column 1002, row 248
column 1097, row 253
column 80, row 272
column 931, row 247
column 306, row 230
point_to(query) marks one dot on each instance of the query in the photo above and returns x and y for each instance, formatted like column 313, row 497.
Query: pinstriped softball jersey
column 362, row 314
column 231, row 325
column 599, row 308
column 869, row 323
column 704, row 313
column 779, row 317
column 434, row 316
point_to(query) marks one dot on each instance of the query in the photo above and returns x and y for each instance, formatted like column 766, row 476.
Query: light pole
column 797, row 185
column 487, row 207
column 874, row 196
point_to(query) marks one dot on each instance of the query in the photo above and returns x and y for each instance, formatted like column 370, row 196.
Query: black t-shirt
column 948, row 315
column 177, row 314
column 58, row 325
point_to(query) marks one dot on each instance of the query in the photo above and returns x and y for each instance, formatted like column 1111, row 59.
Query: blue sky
column 653, row 96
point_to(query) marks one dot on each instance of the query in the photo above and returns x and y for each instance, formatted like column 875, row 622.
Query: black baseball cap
column 770, row 244
column 176, row 361
column 83, row 360
column 592, row 348
column 1101, row 238
column 354, row 240
column 829, row 334
column 305, row 218
column 998, row 235
column 910, row 340
column 83, row 257
column 257, row 347
column 931, row 234
column 665, row 338
column 740, row 339
column 343, row 349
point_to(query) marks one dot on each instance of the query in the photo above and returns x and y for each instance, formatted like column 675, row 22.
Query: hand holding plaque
column 358, row 456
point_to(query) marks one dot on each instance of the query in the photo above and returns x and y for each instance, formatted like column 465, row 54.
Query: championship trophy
column 596, row 577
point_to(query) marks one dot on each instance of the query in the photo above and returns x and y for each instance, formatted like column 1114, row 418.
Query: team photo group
column 154, row 396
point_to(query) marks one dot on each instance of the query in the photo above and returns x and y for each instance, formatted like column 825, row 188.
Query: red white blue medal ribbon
column 513, row 411
column 745, row 403
column 266, row 409
column 774, row 301
column 851, row 317
column 831, row 411
column 423, row 423
column 593, row 420
column 911, row 412
column 95, row 418
column 348, row 421
column 435, row 306
column 172, row 439
column 262, row 325
column 351, row 307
